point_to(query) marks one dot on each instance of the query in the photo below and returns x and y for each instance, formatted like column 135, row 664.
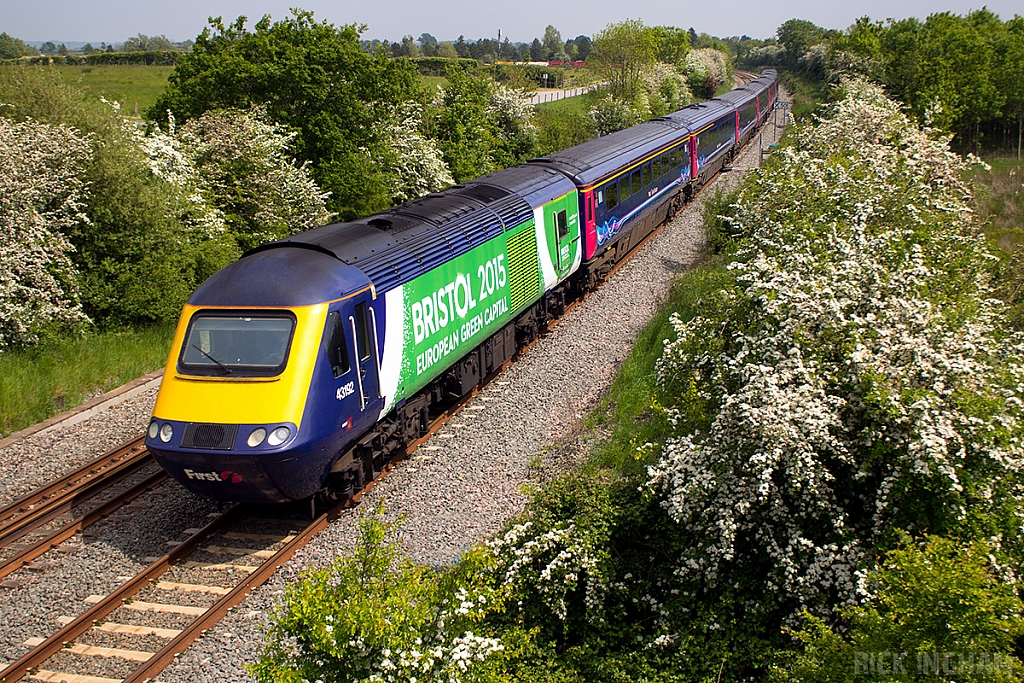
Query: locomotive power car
column 306, row 364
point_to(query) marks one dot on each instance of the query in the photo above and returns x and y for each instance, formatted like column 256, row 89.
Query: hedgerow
column 846, row 392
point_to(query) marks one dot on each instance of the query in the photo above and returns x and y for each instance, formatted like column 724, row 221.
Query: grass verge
column 38, row 383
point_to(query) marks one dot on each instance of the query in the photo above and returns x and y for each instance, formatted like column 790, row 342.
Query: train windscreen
column 236, row 345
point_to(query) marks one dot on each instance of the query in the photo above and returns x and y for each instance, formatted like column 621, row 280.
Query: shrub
column 935, row 608
column 857, row 380
column 375, row 615
column 42, row 197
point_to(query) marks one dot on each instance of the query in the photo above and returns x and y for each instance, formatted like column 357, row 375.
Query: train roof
column 592, row 161
column 398, row 245
column 279, row 277
column 697, row 116
column 741, row 96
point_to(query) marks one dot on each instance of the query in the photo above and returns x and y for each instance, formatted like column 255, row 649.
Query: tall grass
column 44, row 381
column 631, row 413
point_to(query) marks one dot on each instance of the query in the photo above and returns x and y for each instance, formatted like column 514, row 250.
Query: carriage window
column 636, row 181
column 673, row 159
column 624, row 188
column 656, row 168
column 613, row 196
column 337, row 348
column 647, row 175
column 665, row 166
column 362, row 333
column 562, row 225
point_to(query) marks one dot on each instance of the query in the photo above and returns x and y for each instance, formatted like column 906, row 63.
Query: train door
column 563, row 240
column 363, row 326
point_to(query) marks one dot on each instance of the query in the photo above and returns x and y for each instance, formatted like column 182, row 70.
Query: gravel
column 465, row 482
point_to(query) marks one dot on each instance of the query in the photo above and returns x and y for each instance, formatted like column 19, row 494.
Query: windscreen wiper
column 226, row 369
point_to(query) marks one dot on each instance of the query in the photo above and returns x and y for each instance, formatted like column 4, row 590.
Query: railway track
column 41, row 520
column 138, row 629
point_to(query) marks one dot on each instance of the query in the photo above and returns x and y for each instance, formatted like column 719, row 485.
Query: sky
column 113, row 21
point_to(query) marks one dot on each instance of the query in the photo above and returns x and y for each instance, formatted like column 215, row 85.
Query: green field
column 135, row 87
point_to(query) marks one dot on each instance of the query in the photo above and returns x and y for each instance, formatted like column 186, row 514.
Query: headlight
column 278, row 436
column 166, row 432
column 153, row 429
column 256, row 437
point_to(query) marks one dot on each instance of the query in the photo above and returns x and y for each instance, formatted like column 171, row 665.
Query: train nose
column 226, row 462
column 236, row 478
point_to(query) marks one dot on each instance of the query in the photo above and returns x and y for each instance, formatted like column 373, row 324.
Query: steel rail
column 218, row 610
column 58, row 536
column 38, row 507
column 73, row 629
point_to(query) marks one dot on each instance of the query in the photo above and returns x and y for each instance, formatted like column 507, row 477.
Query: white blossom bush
column 765, row 55
column 42, row 197
column 667, row 89
column 855, row 383
column 411, row 162
column 246, row 172
column 511, row 106
column 168, row 161
column 553, row 564
column 610, row 115
column 814, row 60
column 706, row 69
column 234, row 175
column 374, row 615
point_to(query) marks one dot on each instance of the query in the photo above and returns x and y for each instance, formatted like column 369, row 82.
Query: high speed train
column 304, row 366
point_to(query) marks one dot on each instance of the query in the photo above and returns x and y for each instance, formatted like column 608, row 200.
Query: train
column 305, row 366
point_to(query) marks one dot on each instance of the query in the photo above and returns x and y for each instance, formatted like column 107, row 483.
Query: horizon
column 519, row 20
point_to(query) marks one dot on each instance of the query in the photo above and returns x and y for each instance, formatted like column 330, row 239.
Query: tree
column 313, row 78
column 480, row 126
column 623, row 51
column 143, row 43
column 1011, row 75
column 797, row 36
column 673, row 44
column 245, row 171
column 582, row 46
column 88, row 49
column 406, row 48
column 447, row 50
column 537, row 51
column 48, row 48
column 957, row 88
column 428, row 44
column 136, row 261
column 12, row 48
column 552, row 42
column 461, row 47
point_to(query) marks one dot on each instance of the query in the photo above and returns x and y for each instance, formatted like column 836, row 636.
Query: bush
column 858, row 380
column 42, row 197
column 313, row 78
column 375, row 615
column 133, row 265
column 935, row 608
